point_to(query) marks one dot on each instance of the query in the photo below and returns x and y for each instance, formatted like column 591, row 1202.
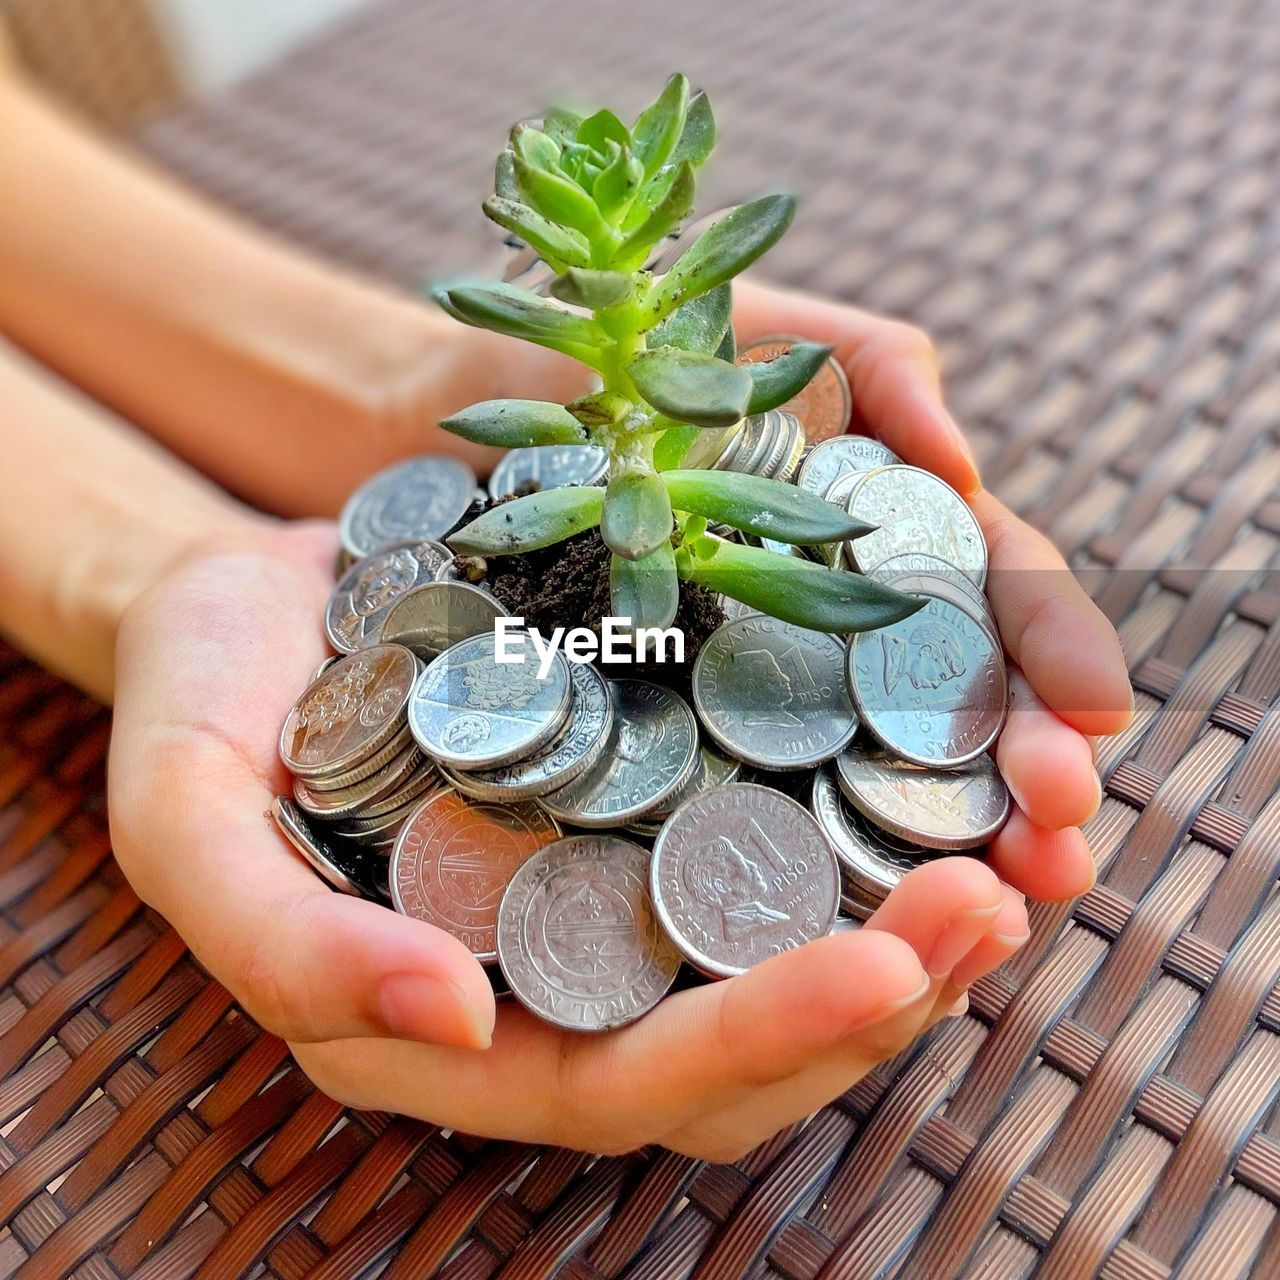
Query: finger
column 1062, row 641
column 1009, row 932
column 1049, row 866
column 188, row 808
column 941, row 909
column 892, row 369
column 1047, row 765
column 697, row 1051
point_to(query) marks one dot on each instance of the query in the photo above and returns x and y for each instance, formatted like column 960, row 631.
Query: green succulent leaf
column 728, row 348
column 777, row 380
column 658, row 127
column 618, row 182
column 728, row 247
column 647, row 591
column 700, row 325
column 694, row 147
column 561, row 124
column 557, row 245
column 595, row 290
column 672, row 445
column 663, row 219
column 601, row 409
column 505, row 308
column 767, row 508
column 692, row 387
column 505, row 186
column 603, row 127
column 513, row 424
column 534, row 147
column 530, row 523
column 699, row 134
column 637, row 515
column 560, row 200
column 794, row 590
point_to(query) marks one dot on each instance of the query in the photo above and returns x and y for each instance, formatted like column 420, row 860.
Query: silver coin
column 573, row 750
column 710, row 445
column 354, row 708
column 578, row 941
column 734, row 609
column 652, row 750
column 835, row 554
column 831, row 459
column 774, row 694
column 938, row 808
column 472, row 711
column 336, row 802
column 913, row 510
column 548, row 466
column 454, row 858
column 349, row 870
column 712, row 770
column 419, row 499
column 431, row 618
column 368, row 766
column 424, row 778
column 359, row 603
column 918, row 563
column 932, row 688
column 871, row 865
column 741, row 873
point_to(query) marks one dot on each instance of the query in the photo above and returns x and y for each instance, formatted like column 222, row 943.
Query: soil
column 567, row 585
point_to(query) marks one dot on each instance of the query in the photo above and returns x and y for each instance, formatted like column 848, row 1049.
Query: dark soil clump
column 567, row 585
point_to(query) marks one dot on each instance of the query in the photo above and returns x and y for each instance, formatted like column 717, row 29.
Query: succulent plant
column 593, row 198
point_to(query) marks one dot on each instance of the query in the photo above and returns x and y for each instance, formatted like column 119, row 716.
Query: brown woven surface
column 1078, row 200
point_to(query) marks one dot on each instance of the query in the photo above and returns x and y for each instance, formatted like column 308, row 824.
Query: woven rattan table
column 1079, row 200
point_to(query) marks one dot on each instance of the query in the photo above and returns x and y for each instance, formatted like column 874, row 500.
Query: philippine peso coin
column 871, row 861
column 419, row 499
column 928, row 571
column 824, row 406
column 827, row 462
column 931, row 688
column 343, row 867
column 574, row 749
column 359, row 603
column 547, row 466
column 652, row 750
column 741, row 873
column 351, row 711
column 577, row 938
column 431, row 618
column 712, row 770
column 474, row 712
column 337, row 802
column 938, row 808
column 453, row 859
column 913, row 510
column 774, row 694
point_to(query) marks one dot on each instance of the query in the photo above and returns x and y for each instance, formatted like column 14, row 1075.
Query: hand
column 386, row 1012
column 1068, row 679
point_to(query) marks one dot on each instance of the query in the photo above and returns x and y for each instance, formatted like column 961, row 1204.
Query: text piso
column 617, row 642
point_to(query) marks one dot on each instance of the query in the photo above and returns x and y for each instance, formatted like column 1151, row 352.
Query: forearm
column 91, row 515
column 285, row 380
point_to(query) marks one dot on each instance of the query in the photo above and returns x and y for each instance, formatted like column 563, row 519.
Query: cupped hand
column 387, row 1012
column 1068, row 679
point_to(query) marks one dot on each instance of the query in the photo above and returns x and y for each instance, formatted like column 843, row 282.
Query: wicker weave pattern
column 1077, row 200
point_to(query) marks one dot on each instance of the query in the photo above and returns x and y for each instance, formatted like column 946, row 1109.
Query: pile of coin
column 587, row 836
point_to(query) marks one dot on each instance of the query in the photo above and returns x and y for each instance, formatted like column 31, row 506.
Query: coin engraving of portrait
column 931, row 654
column 726, row 880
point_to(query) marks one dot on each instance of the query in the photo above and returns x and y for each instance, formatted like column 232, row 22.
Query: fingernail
column 883, row 1011
column 974, row 483
column 1097, row 804
column 960, row 1006
column 433, row 1010
column 958, row 939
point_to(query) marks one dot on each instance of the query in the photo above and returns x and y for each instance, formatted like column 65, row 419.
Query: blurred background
column 1075, row 198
